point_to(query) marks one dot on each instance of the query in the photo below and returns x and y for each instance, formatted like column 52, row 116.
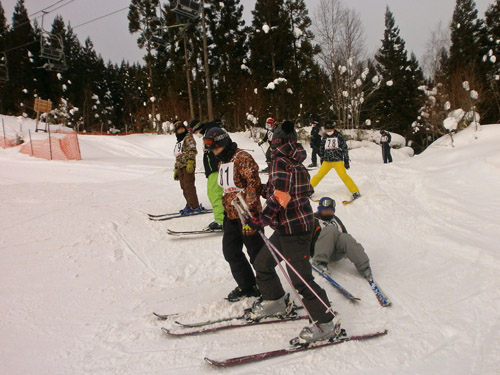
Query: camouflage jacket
column 246, row 179
column 187, row 151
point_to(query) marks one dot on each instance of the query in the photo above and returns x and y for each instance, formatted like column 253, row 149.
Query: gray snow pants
column 333, row 245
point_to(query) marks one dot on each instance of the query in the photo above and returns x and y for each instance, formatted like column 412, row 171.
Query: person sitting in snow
column 185, row 164
column 331, row 242
column 334, row 154
column 385, row 142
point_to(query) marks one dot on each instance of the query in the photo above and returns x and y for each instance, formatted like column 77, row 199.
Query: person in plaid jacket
column 289, row 212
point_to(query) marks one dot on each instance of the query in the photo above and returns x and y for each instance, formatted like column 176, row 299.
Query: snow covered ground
column 82, row 267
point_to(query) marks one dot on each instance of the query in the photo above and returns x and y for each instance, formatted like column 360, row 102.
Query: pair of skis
column 207, row 327
column 379, row 294
column 175, row 215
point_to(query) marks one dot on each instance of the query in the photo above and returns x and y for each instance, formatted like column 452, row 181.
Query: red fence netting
column 64, row 148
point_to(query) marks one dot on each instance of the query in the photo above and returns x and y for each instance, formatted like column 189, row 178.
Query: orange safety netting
column 6, row 142
column 65, row 148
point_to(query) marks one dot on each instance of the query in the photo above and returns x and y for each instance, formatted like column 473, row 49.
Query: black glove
column 346, row 162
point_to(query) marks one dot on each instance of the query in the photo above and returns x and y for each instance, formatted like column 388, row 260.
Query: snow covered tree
column 143, row 19
column 491, row 59
column 227, row 52
column 397, row 100
column 21, row 68
column 271, row 53
column 466, row 31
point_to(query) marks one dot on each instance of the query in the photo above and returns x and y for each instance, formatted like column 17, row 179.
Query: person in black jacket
column 315, row 143
column 270, row 123
column 211, row 165
column 385, row 142
column 334, row 154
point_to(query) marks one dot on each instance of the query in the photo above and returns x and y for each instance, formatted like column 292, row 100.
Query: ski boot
column 356, row 196
column 312, row 165
column 322, row 266
column 215, row 225
column 238, row 294
column 186, row 211
column 282, row 308
column 319, row 332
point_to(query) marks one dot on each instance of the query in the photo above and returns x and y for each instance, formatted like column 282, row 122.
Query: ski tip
column 160, row 316
column 213, row 362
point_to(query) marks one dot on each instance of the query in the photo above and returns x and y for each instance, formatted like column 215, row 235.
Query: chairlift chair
column 52, row 49
column 187, row 9
column 4, row 70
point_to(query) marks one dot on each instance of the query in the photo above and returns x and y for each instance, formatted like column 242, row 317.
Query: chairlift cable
column 101, row 17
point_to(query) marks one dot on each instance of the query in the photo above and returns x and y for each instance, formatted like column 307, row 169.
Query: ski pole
column 247, row 209
column 241, row 214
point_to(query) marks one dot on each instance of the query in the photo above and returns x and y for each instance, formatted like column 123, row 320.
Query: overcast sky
column 416, row 19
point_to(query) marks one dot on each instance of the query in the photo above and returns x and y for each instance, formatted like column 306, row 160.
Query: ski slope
column 82, row 268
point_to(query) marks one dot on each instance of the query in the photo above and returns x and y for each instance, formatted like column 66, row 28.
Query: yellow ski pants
column 340, row 169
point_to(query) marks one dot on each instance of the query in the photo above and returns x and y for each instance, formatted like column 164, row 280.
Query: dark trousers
column 386, row 153
column 314, row 155
column 232, row 247
column 295, row 248
column 188, row 188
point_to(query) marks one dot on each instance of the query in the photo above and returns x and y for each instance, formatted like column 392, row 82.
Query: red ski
column 281, row 352
column 185, row 332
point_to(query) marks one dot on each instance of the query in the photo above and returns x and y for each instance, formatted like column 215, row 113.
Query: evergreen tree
column 271, row 53
column 396, row 100
column 466, row 31
column 491, row 58
column 227, row 57
column 143, row 19
column 3, row 59
column 21, row 40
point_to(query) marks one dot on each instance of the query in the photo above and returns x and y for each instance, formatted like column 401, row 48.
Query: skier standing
column 289, row 213
column 385, row 142
column 238, row 172
column 270, row 123
column 315, row 143
column 211, row 165
column 185, row 164
column 334, row 154
column 331, row 242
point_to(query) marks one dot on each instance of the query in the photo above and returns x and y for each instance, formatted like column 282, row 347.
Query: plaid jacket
column 290, row 176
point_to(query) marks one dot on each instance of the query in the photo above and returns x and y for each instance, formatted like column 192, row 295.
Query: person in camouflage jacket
column 185, row 164
column 238, row 172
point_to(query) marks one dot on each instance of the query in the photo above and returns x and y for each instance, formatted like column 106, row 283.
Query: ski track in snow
column 83, row 268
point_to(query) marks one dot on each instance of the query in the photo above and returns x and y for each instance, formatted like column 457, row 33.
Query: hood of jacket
column 291, row 150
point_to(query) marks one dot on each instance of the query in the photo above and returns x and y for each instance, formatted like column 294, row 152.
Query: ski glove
column 176, row 174
column 346, row 162
column 252, row 225
column 190, row 166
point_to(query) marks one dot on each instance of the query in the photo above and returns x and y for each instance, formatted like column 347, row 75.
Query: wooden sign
column 43, row 106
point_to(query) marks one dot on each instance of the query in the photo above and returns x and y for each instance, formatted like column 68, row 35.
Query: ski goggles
column 208, row 142
column 327, row 203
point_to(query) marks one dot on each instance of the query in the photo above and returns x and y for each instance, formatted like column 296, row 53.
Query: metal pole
column 50, row 142
column 31, row 143
column 4, row 139
column 188, row 77
column 207, row 71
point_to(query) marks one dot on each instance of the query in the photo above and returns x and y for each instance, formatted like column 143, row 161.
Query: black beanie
column 284, row 133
